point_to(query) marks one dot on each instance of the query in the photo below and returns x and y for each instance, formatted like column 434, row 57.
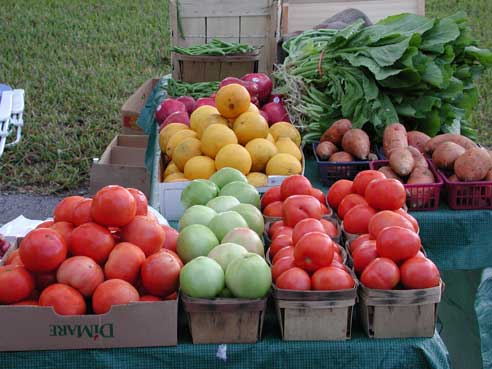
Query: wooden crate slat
column 223, row 28
column 223, row 8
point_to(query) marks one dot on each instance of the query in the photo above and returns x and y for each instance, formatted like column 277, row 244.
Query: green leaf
column 483, row 56
column 431, row 124
column 444, row 31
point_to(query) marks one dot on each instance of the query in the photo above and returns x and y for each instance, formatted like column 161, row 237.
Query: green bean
column 215, row 47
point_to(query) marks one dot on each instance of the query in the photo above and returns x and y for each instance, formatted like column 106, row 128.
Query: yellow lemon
column 199, row 167
column 175, row 177
column 250, row 125
column 185, row 150
column 234, row 156
column 176, row 139
column 285, row 129
column 257, row 179
column 200, row 115
column 166, row 133
column 269, row 137
column 261, row 151
column 283, row 165
column 216, row 137
column 253, row 108
column 285, row 145
column 170, row 169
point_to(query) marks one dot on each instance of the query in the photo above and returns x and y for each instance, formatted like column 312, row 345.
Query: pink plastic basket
column 420, row 197
column 467, row 195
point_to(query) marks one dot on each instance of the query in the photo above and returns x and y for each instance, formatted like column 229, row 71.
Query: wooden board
column 300, row 15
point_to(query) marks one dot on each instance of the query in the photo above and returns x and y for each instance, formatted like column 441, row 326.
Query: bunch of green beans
column 195, row 90
column 215, row 47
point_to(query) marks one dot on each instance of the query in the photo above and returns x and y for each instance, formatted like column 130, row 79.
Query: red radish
column 178, row 117
column 263, row 82
column 276, row 113
column 276, row 98
column 255, row 101
column 188, row 102
column 249, row 85
column 205, row 101
column 166, row 108
column 229, row 81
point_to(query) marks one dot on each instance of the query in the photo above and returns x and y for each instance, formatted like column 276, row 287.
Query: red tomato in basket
column 45, row 224
column 113, row 292
column 42, row 250
column 353, row 245
column 145, row 233
column 27, row 303
column 11, row 256
column 330, row 228
column 274, row 226
column 386, row 194
column 64, row 299
column 331, row 278
column 150, row 298
column 387, row 218
column 348, row 203
column 171, row 238
column 124, row 262
column 338, row 191
column 398, row 244
column 294, row 279
column 160, row 273
column 279, row 243
column 356, row 220
column 324, row 210
column 315, row 192
column 339, row 265
column 64, row 210
column 16, row 284
column 43, row 280
column 113, row 206
column 64, row 229
column 418, row 273
column 364, row 254
column 306, row 226
column 82, row 212
column 410, row 218
column 381, row 274
column 272, row 195
column 313, row 251
column 281, row 265
column 283, row 231
column 285, row 251
column 274, row 209
column 362, row 179
column 295, row 185
column 92, row 240
column 141, row 200
column 81, row 273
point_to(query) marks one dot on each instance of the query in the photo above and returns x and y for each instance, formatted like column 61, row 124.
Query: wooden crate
column 252, row 22
column 224, row 320
column 315, row 315
column 300, row 15
column 399, row 313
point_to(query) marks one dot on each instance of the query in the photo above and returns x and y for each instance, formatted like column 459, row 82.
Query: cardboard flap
column 139, row 141
column 128, row 156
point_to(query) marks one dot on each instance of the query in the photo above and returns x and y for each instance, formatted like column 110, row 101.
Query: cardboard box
column 122, row 163
column 133, row 106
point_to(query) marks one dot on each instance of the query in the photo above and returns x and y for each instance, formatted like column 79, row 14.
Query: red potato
column 389, row 173
column 446, row 154
column 356, row 142
column 341, row 157
column 394, row 137
column 418, row 140
column 418, row 158
column 336, row 131
column 463, row 141
column 401, row 161
column 326, row 149
column 473, row 165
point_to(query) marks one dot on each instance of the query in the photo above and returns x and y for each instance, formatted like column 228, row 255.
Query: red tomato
column 330, row 228
column 336, row 264
column 420, row 254
column 149, row 298
column 363, row 178
column 174, row 255
column 284, row 230
column 282, row 264
column 294, row 279
column 16, row 284
column 81, row 273
column 273, row 209
column 272, row 195
column 92, row 240
column 43, row 250
column 172, row 296
column 45, row 224
column 285, row 251
column 419, row 273
column 348, row 203
column 364, row 254
column 279, row 243
column 295, row 185
column 64, row 229
column 160, row 274
column 353, row 245
column 27, row 303
column 313, row 251
column 387, row 218
column 386, row 194
column 306, row 226
column 11, row 256
column 274, row 226
column 331, row 279
column 356, row 220
column 141, row 200
column 63, row 211
column 410, row 218
column 145, row 233
column 381, row 274
column 82, row 212
column 113, row 206
column 299, row 207
column 337, row 257
column 16, row 260
column 124, row 262
column 113, row 292
column 171, row 237
column 64, row 299
column 338, row 191
column 43, row 280
column 398, row 244
column 324, row 209
column 315, row 192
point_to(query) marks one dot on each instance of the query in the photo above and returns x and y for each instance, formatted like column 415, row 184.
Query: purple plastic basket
column 467, row 195
column 423, row 197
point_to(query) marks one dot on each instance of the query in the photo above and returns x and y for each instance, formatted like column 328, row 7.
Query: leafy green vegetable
column 407, row 68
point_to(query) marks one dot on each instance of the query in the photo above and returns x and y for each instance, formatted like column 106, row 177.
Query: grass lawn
column 79, row 61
